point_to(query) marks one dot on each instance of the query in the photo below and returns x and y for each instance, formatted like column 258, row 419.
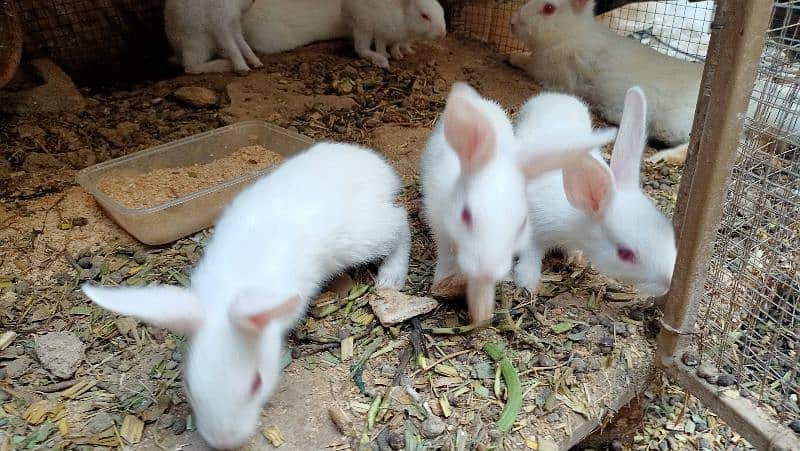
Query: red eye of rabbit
column 256, row 385
column 466, row 217
column 626, row 254
column 548, row 9
column 425, row 16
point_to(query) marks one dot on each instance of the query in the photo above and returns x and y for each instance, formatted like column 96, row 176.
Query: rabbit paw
column 576, row 258
column 526, row 278
column 256, row 64
column 396, row 52
column 675, row 155
column 407, row 49
column 379, row 61
column 386, row 279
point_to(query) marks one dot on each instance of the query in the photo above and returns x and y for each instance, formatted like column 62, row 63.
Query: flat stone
column 18, row 367
column 393, row 307
column 100, row 422
column 60, row 353
column 196, row 96
column 432, row 427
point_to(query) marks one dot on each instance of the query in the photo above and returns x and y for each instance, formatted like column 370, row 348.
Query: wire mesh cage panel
column 93, row 39
column 678, row 28
column 487, row 21
column 749, row 319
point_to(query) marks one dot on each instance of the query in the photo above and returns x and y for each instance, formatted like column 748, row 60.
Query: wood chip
column 274, row 435
column 7, row 338
column 342, row 421
column 131, row 429
column 347, row 348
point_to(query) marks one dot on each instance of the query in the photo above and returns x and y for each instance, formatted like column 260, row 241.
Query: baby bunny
column 474, row 174
column 320, row 212
column 198, row 30
column 392, row 24
column 572, row 52
column 274, row 26
column 592, row 208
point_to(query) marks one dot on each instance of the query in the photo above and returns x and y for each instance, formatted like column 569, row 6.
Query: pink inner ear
column 261, row 319
column 469, row 133
column 588, row 185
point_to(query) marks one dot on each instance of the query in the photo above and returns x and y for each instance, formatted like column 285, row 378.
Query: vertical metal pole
column 737, row 39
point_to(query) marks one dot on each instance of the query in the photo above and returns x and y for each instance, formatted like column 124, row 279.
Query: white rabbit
column 392, row 25
column 595, row 209
column 199, row 30
column 320, row 212
column 274, row 26
column 474, row 174
column 574, row 53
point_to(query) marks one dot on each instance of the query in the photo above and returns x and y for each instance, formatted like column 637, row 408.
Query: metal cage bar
column 735, row 48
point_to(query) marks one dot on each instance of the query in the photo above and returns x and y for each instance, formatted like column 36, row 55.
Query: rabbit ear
column 174, row 308
column 626, row 158
column 579, row 6
column 555, row 149
column 467, row 130
column 249, row 314
column 589, row 185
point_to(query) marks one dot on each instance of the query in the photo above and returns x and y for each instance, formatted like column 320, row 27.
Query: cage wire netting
column 749, row 323
column 93, row 40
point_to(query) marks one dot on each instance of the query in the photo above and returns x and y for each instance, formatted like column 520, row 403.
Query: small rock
column 637, row 314
column 725, row 380
column 85, row 262
column 552, row 417
column 60, row 353
column 545, row 360
column 700, row 426
column 124, row 366
column 18, row 367
column 617, row 445
column 621, row 329
column 579, row 365
column 179, row 425
column 22, row 287
column 606, row 341
column 4, row 396
column 594, row 365
column 547, row 445
column 100, row 422
column 703, row 443
column 664, row 171
column 397, row 440
column 795, row 426
column 177, row 356
column 166, row 421
column 707, row 372
column 35, row 161
column 393, row 307
column 432, row 427
column 171, row 365
column 691, row 358
column 196, row 96
column 140, row 257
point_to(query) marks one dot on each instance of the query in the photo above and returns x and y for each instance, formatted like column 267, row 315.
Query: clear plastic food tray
column 180, row 217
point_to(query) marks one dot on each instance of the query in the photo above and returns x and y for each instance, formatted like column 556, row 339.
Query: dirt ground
column 580, row 346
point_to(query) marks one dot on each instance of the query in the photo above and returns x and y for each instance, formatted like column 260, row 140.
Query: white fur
column 473, row 160
column 391, row 25
column 327, row 209
column 560, row 201
column 200, row 30
column 274, row 26
column 574, row 53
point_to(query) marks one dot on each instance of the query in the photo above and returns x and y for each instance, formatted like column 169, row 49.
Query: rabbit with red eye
column 325, row 210
column 391, row 25
column 572, row 52
column 199, row 30
column 473, row 175
column 593, row 208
